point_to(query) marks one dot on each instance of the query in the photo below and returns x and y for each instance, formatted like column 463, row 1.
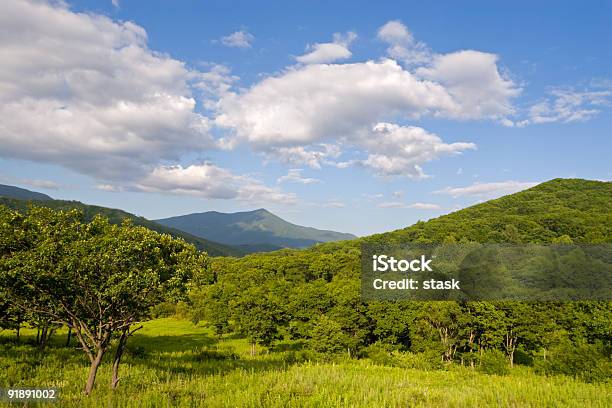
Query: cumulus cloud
column 342, row 105
column 214, row 83
column 328, row 52
column 401, row 150
column 316, row 102
column 474, row 82
column 209, row 181
column 487, row 190
column 85, row 92
column 238, row 39
column 295, row 176
column 402, row 45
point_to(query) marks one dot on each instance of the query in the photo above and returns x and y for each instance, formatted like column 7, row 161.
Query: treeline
column 96, row 278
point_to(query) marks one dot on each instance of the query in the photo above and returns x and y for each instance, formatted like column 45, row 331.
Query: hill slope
column 580, row 209
column 116, row 216
column 21, row 193
column 259, row 227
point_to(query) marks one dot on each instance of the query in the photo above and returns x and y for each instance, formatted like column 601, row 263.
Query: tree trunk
column 93, row 370
column 117, row 359
column 68, row 337
column 18, row 330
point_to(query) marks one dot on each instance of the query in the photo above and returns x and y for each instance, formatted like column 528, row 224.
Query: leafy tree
column 99, row 279
column 259, row 314
column 328, row 337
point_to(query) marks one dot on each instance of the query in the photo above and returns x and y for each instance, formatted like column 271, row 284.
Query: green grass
column 174, row 363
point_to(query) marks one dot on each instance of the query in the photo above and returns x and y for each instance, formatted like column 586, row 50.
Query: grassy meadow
column 172, row 362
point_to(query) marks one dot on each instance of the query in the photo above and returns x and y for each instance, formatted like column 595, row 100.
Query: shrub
column 165, row 309
column 382, row 354
column 493, row 362
column 587, row 362
column 326, row 336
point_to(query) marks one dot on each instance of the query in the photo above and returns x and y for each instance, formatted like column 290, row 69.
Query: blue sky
column 354, row 116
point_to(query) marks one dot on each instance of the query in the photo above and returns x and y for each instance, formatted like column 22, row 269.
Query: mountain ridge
column 256, row 227
column 22, row 193
column 578, row 209
column 20, row 199
column 116, row 216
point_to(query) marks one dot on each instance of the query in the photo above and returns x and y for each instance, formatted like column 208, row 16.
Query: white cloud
column 82, row 91
column 109, row 188
column 313, row 156
column 339, row 105
column 487, row 190
column 398, row 194
column 295, row 176
column 425, row 206
column 474, row 82
column 313, row 103
column 209, row 181
column 322, row 53
column 568, row 105
column 401, row 150
column 402, row 45
column 116, row 3
column 238, row 39
column 416, row 206
column 214, row 83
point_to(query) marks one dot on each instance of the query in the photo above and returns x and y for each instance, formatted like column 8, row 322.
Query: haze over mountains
column 238, row 233
column 251, row 228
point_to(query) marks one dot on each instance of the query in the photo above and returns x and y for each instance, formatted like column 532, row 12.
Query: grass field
column 174, row 363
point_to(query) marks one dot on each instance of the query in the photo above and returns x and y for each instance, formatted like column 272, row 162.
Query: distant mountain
column 116, row 216
column 21, row 193
column 259, row 228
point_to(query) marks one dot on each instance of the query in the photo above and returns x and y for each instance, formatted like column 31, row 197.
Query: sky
column 355, row 116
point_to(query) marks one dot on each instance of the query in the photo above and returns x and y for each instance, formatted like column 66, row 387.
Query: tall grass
column 173, row 363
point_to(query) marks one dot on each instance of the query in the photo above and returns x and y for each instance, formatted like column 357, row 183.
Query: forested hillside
column 579, row 209
column 115, row 216
column 313, row 295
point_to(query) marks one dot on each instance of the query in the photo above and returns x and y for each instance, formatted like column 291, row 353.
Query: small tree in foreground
column 99, row 279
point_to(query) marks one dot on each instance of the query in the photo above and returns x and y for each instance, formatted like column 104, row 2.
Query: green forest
column 82, row 295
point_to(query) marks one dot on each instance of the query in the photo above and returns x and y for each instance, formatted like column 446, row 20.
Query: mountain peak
column 251, row 228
